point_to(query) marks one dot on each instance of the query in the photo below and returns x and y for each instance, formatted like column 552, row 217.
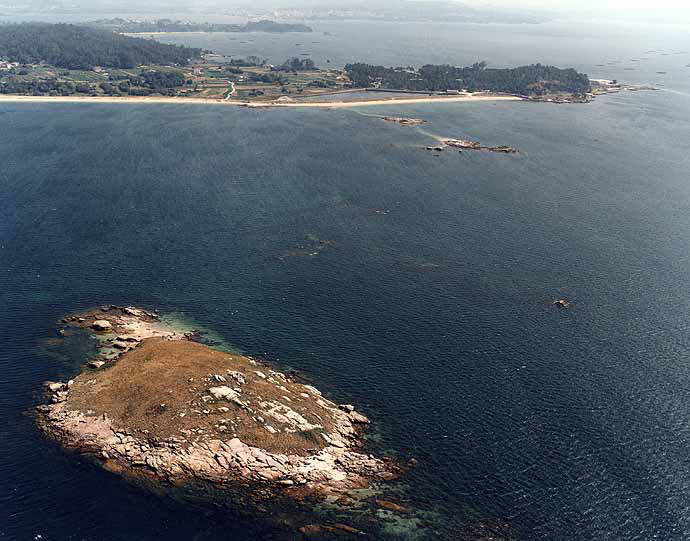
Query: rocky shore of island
column 157, row 404
column 466, row 144
column 403, row 121
column 599, row 87
column 561, row 98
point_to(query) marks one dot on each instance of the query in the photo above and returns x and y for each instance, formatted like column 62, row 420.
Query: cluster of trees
column 297, row 64
column 51, row 87
column 80, row 48
column 321, row 84
column 270, row 78
column 249, row 62
column 154, row 79
column 149, row 82
column 535, row 79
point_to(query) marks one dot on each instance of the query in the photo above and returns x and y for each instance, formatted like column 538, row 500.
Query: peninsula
column 60, row 61
column 529, row 81
column 156, row 404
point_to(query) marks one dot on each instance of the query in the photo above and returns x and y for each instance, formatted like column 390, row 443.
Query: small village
column 211, row 77
column 6, row 66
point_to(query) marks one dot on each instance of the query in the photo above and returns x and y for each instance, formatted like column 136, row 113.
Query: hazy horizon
column 619, row 9
column 533, row 10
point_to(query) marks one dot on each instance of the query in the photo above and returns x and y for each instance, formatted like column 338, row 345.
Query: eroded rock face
column 101, row 325
column 174, row 409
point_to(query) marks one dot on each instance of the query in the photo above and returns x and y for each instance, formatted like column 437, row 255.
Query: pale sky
column 655, row 8
column 589, row 4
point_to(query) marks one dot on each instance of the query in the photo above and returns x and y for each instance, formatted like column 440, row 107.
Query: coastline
column 14, row 98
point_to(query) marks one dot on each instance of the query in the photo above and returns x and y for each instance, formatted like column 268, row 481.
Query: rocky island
column 154, row 403
column 403, row 121
column 466, row 144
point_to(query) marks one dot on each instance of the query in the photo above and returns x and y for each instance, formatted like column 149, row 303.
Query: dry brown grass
column 157, row 389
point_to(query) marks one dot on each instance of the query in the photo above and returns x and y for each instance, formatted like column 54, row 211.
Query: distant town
column 136, row 26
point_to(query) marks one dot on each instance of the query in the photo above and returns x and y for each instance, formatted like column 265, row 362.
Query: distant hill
column 399, row 10
column 168, row 25
column 456, row 11
column 78, row 47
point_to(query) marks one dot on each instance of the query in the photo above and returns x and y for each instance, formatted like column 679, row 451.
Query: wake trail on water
column 677, row 92
column 417, row 129
column 426, row 133
column 366, row 114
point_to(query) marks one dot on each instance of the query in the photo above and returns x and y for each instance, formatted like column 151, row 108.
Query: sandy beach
column 206, row 101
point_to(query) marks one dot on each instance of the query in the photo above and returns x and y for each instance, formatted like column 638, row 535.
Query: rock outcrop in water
column 465, row 144
column 162, row 406
column 403, row 121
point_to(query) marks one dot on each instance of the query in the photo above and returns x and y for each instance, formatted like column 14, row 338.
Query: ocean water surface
column 430, row 308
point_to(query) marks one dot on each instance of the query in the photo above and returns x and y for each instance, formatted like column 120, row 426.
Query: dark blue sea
column 417, row 287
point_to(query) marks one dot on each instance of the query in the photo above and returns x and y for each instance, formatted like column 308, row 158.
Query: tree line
column 535, row 79
column 297, row 64
column 148, row 82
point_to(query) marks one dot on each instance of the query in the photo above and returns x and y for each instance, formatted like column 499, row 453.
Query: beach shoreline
column 14, row 98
